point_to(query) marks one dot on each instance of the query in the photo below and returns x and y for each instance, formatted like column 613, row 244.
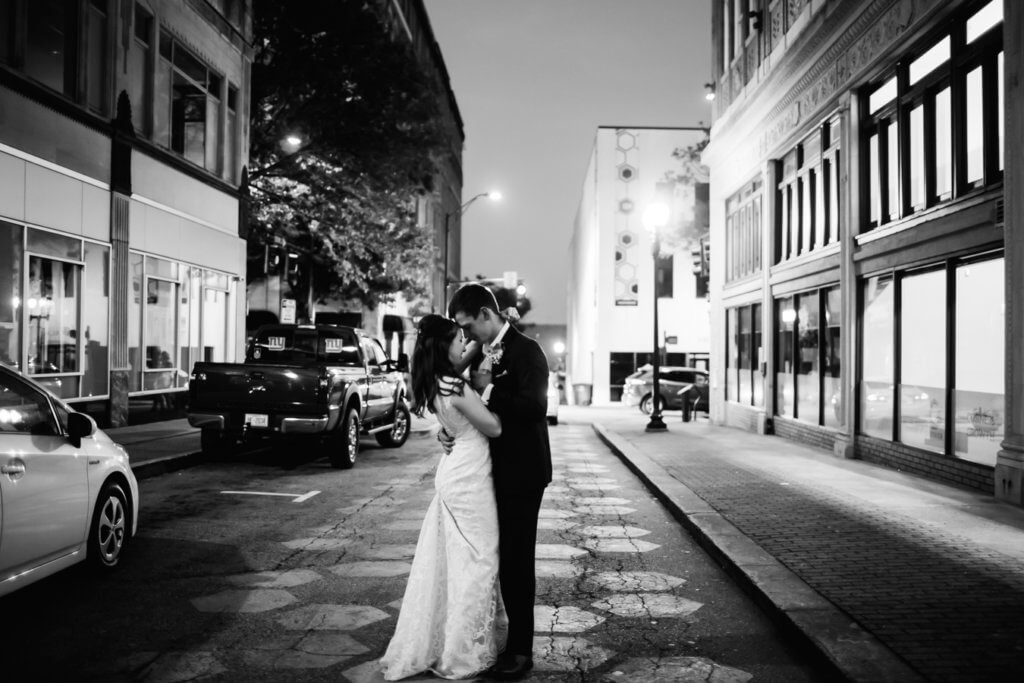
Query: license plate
column 256, row 420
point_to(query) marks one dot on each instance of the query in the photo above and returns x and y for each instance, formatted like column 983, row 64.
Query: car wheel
column 108, row 533
column 399, row 432
column 345, row 446
column 645, row 404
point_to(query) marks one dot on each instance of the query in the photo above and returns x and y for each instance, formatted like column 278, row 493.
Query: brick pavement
column 948, row 606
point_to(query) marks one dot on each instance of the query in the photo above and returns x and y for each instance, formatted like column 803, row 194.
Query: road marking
column 299, row 498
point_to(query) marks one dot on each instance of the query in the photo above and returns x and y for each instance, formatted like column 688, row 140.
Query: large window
column 744, row 381
column 807, row 216
column 978, row 405
column 807, row 363
column 743, row 232
column 922, row 387
column 63, row 44
column 178, row 316
column 947, row 400
column 934, row 126
column 877, row 357
column 188, row 97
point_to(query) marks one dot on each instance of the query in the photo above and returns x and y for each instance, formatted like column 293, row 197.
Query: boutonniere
column 494, row 354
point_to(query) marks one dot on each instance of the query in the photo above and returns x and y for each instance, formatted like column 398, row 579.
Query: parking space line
column 298, row 498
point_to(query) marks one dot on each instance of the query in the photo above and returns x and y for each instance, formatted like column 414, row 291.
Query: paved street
column 259, row 569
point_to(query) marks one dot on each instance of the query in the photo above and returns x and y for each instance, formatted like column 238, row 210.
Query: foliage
column 686, row 228
column 369, row 131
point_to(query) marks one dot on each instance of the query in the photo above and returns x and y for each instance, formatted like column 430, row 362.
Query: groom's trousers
column 517, row 543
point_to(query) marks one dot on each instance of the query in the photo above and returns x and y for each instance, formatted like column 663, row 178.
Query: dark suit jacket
column 521, row 456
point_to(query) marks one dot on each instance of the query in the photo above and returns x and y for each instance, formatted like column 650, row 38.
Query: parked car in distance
column 67, row 492
column 324, row 383
column 554, row 398
column 638, row 388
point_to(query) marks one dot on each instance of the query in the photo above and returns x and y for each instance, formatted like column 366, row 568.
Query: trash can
column 583, row 393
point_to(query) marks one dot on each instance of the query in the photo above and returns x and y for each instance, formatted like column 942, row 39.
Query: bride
column 452, row 621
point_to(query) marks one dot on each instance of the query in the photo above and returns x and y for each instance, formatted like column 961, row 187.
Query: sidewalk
column 889, row 577
column 160, row 447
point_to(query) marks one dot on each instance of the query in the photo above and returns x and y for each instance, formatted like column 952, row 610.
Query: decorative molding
column 876, row 30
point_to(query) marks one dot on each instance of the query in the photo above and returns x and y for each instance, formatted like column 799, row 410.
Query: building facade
column 866, row 280
column 123, row 137
column 610, row 312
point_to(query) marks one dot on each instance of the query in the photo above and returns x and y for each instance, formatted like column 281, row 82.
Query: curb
column 836, row 640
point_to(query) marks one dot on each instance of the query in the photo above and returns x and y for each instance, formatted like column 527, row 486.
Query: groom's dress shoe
column 510, row 667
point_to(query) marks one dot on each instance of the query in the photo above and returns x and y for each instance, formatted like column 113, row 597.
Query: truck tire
column 345, row 446
column 399, row 432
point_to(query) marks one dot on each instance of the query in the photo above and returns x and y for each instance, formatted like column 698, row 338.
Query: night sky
column 533, row 80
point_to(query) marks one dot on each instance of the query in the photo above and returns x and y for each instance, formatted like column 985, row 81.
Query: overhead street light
column 492, row 195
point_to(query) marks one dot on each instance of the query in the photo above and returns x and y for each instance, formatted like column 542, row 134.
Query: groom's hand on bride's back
column 447, row 440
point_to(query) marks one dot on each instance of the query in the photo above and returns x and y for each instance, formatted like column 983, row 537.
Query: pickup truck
column 322, row 383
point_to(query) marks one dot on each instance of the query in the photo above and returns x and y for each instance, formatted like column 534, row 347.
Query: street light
column 656, row 217
column 493, row 195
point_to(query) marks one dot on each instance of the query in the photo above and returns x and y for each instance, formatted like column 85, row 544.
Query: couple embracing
column 468, row 605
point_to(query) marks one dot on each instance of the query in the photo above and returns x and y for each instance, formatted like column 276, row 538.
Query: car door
column 376, row 402
column 390, row 377
column 44, row 491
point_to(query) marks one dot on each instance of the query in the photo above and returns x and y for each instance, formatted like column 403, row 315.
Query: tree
column 366, row 132
column 687, row 226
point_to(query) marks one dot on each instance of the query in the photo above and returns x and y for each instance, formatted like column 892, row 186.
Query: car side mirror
column 80, row 425
column 402, row 365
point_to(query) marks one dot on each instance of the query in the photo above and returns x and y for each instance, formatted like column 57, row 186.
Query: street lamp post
column 656, row 217
column 447, row 230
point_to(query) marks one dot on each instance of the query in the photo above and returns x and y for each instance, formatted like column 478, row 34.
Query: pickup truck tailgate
column 220, row 386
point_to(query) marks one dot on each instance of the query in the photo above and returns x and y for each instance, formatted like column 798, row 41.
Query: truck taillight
column 322, row 384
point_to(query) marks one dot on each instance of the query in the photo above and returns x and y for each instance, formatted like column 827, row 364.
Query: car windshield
column 298, row 345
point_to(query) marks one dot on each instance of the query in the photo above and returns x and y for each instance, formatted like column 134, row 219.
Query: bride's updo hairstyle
column 430, row 362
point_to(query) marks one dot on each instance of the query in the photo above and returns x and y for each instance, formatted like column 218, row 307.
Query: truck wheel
column 345, row 446
column 399, row 432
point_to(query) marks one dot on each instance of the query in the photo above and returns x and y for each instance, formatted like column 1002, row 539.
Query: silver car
column 67, row 492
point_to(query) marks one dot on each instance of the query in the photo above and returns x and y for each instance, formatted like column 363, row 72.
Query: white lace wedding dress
column 452, row 621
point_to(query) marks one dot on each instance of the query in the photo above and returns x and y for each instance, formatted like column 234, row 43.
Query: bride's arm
column 470, row 405
column 470, row 352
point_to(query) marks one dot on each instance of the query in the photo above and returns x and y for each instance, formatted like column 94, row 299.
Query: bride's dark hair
column 430, row 362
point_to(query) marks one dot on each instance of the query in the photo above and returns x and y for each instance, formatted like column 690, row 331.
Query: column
column 1009, row 473
column 120, row 199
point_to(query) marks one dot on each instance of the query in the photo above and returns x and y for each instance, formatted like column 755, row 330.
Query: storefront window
column 786, row 366
column 807, row 372
column 96, row 320
column 732, row 360
column 757, row 357
column 745, row 365
column 833, row 408
column 135, row 360
column 923, row 360
column 11, row 299
column 978, row 403
column 185, row 296
column 876, row 410
column 160, row 333
column 215, row 317
column 52, row 304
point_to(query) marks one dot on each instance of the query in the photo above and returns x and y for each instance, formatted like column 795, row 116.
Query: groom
column 514, row 386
